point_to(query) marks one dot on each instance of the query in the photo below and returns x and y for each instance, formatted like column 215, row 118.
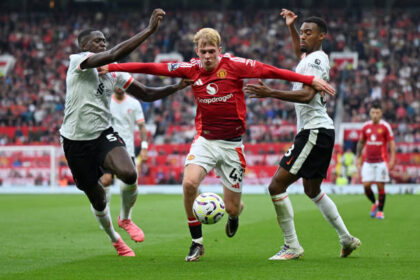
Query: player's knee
column 128, row 176
column 190, row 186
column 276, row 187
column 99, row 203
column 311, row 193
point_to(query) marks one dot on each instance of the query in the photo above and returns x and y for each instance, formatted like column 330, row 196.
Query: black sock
column 369, row 194
column 381, row 200
column 195, row 228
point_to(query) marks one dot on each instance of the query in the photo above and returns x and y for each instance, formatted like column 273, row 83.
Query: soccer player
column 309, row 156
column 126, row 114
column 88, row 140
column 220, row 121
column 376, row 134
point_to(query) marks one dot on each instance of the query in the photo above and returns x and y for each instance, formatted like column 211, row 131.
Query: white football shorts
column 226, row 157
column 375, row 172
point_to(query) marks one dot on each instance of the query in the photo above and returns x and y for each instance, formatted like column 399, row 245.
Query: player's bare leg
column 371, row 196
column 329, row 211
column 193, row 175
column 119, row 162
column 234, row 206
column 284, row 210
column 381, row 201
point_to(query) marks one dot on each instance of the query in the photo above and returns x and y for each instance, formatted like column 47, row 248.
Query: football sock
column 284, row 210
column 370, row 195
column 104, row 219
column 195, row 229
column 330, row 213
column 128, row 198
column 381, row 200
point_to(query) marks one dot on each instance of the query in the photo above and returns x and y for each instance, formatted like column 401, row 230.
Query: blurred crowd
column 387, row 43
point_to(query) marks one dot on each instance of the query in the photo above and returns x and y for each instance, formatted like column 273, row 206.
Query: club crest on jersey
column 221, row 74
column 212, row 89
column 173, row 66
column 191, row 157
column 380, row 130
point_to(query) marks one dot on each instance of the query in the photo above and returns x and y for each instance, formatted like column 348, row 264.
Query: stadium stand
column 387, row 44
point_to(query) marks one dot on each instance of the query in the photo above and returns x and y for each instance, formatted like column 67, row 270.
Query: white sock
column 330, row 213
column 107, row 193
column 104, row 219
column 284, row 210
column 128, row 198
column 198, row 240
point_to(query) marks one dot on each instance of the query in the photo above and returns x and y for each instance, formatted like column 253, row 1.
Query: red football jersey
column 221, row 108
column 377, row 137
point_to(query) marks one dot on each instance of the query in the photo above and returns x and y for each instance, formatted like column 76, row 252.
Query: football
column 208, row 208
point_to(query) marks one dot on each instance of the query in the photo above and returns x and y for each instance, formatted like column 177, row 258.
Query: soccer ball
column 208, row 208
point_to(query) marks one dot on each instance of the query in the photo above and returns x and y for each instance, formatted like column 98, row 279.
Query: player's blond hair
column 207, row 36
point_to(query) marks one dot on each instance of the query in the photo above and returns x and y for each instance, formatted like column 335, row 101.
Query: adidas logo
column 198, row 83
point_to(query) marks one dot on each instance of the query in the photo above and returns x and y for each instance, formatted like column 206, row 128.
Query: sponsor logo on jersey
column 221, row 74
column 191, row 157
column 317, row 61
column 198, row 82
column 373, row 137
column 215, row 99
column 212, row 89
column 316, row 66
column 173, row 66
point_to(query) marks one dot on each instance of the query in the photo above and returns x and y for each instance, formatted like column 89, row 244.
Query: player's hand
column 155, row 19
column 358, row 163
column 144, row 154
column 258, row 91
column 321, row 85
column 391, row 164
column 289, row 16
column 184, row 83
column 102, row 70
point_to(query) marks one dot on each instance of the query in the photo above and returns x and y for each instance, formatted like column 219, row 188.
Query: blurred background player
column 375, row 136
column 310, row 155
column 220, row 121
column 89, row 141
column 126, row 114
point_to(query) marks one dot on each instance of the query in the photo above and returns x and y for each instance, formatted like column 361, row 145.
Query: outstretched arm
column 150, row 94
column 123, row 49
column 261, row 90
column 272, row 72
column 290, row 18
column 161, row 69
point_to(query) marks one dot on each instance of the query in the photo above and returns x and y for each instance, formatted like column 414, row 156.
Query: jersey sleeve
column 178, row 69
column 78, row 59
column 389, row 135
column 363, row 133
column 138, row 112
column 247, row 68
column 124, row 80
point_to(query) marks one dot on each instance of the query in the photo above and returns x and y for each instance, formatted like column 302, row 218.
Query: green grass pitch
column 57, row 237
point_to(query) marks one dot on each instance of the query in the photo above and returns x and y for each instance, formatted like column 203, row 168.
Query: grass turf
column 57, row 237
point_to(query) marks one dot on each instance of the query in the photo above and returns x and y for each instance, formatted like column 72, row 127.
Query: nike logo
column 290, row 160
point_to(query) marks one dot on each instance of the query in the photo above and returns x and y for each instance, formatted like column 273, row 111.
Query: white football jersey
column 314, row 114
column 126, row 114
column 86, row 112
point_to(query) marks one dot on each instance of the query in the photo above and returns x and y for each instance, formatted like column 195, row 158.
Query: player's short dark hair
column 376, row 105
column 322, row 25
column 83, row 34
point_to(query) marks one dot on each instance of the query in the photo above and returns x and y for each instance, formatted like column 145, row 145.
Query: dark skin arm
column 123, row 49
column 261, row 90
column 150, row 94
column 290, row 18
